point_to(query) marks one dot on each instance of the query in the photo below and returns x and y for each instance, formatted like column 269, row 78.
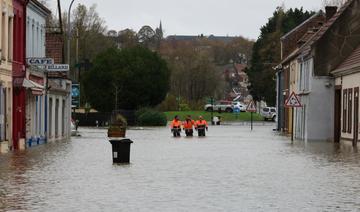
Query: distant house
column 237, row 82
column 225, row 39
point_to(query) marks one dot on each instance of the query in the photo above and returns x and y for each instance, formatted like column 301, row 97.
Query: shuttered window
column 344, row 117
column 350, row 93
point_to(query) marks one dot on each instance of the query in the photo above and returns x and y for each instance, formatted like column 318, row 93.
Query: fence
column 102, row 118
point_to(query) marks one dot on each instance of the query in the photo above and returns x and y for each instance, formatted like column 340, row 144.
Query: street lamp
column 69, row 34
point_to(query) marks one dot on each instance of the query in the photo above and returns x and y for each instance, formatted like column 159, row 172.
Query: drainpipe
column 24, row 38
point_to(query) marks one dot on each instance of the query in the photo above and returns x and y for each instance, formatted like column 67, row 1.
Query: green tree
column 266, row 52
column 135, row 77
column 127, row 38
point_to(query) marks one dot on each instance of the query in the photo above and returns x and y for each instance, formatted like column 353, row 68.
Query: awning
column 36, row 89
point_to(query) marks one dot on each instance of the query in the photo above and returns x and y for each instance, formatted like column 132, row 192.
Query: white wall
column 320, row 110
column 315, row 120
column 35, row 32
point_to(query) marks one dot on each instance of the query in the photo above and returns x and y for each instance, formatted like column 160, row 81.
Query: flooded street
column 232, row 169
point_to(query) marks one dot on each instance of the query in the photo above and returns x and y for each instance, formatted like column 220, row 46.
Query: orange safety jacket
column 201, row 124
column 175, row 124
column 189, row 124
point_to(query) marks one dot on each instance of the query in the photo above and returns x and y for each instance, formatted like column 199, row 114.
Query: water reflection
column 231, row 169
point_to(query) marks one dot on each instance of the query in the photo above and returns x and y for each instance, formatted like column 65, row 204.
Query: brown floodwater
column 232, row 169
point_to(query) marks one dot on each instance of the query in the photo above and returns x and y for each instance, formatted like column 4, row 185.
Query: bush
column 184, row 107
column 150, row 117
column 169, row 104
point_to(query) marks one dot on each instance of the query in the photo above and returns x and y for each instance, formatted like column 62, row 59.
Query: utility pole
column 69, row 35
column 212, row 110
column 60, row 18
column 77, row 55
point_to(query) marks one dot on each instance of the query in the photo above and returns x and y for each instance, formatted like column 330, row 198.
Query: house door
column 337, row 119
column 356, row 115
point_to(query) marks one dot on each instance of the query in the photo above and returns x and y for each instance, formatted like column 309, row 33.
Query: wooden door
column 337, row 119
column 356, row 116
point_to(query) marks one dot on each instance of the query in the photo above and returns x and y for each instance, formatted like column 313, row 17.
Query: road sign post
column 251, row 108
column 292, row 102
column 212, row 110
column 252, row 121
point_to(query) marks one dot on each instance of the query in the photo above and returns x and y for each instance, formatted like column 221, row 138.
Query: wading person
column 201, row 125
column 188, row 126
column 176, row 126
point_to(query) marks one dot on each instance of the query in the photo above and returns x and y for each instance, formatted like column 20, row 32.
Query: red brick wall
column 54, row 46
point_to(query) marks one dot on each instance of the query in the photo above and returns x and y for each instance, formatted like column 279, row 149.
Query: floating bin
column 121, row 150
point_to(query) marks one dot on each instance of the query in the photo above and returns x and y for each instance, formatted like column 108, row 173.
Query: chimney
column 330, row 12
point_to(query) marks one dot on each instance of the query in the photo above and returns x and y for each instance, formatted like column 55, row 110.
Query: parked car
column 239, row 105
column 220, row 106
column 269, row 113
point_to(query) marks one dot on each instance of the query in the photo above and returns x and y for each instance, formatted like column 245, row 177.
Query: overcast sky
column 191, row 17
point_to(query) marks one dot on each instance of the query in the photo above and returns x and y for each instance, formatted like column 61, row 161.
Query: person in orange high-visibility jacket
column 200, row 126
column 176, row 126
column 188, row 126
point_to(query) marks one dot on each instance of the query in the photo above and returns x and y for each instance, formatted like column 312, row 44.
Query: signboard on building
column 75, row 95
column 39, row 61
column 58, row 67
column 293, row 101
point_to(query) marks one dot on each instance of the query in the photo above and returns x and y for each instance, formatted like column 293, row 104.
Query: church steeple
column 159, row 31
column 160, row 27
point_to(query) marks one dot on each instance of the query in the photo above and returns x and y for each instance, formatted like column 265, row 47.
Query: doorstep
column 4, row 147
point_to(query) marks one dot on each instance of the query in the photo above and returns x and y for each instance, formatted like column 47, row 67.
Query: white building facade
column 35, row 81
column 59, row 109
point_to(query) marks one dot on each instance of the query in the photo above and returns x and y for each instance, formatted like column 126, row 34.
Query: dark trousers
column 176, row 132
column 189, row 132
column 201, row 132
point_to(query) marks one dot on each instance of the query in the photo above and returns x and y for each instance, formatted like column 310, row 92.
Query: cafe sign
column 39, row 61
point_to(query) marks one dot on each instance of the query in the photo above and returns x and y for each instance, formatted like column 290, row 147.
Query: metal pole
column 252, row 121
column 69, row 34
column 46, row 105
column 212, row 111
column 292, row 124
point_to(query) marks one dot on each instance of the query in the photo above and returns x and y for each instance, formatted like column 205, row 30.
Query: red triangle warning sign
column 293, row 101
column 251, row 107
